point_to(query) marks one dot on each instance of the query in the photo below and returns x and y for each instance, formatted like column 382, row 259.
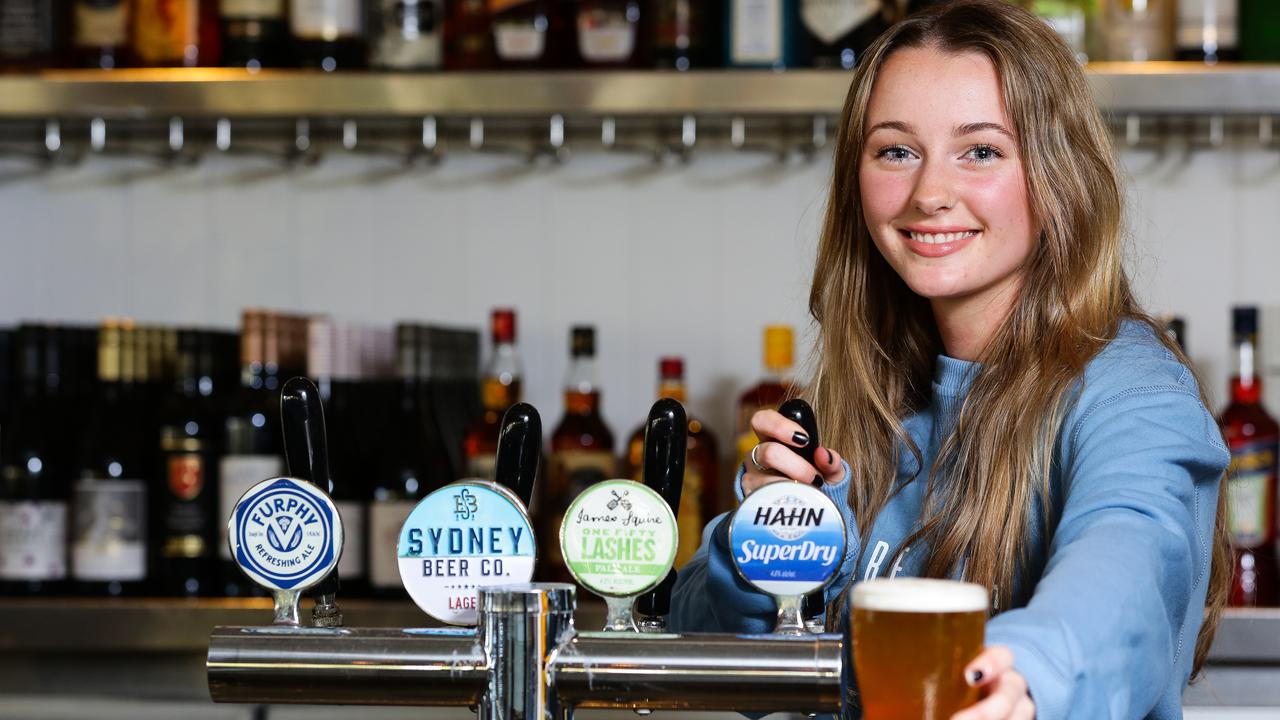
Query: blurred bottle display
column 1176, row 327
column 1208, row 30
column 100, row 33
column 328, row 34
column 770, row 391
column 529, row 34
column 1068, row 18
column 1252, row 436
column 407, row 34
column 109, row 498
column 175, row 33
column 1260, row 30
column 581, row 452
column 33, row 34
column 763, row 34
column 839, row 31
column 254, row 34
column 687, row 34
column 468, row 33
column 610, row 33
column 699, row 499
column 1138, row 30
column 499, row 390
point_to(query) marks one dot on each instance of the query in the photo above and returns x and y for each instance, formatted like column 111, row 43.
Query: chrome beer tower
column 525, row 660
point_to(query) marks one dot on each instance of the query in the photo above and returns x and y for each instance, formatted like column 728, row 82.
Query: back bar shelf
column 185, row 113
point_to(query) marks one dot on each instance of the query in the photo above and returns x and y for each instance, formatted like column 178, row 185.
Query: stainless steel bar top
column 749, row 673
column 347, row 666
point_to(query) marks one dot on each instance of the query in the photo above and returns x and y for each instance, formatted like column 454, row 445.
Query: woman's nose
column 934, row 190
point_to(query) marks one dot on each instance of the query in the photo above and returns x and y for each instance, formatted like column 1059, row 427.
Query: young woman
column 1011, row 415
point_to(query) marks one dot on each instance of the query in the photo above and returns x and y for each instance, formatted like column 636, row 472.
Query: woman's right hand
column 775, row 460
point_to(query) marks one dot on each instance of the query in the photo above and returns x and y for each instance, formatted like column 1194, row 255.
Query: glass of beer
column 911, row 641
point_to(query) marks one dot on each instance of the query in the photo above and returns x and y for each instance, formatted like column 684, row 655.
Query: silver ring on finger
column 756, row 461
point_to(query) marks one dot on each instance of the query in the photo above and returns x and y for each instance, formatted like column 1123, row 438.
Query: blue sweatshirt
column 1107, row 625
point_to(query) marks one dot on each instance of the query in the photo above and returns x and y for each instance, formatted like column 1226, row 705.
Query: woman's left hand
column 1003, row 689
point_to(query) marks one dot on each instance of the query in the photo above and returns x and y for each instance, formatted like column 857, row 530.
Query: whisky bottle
column 769, row 392
column 499, row 390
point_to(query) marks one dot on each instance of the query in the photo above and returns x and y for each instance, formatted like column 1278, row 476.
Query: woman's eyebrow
column 892, row 125
column 971, row 128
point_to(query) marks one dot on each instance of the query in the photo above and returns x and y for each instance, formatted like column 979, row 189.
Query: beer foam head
column 920, row 595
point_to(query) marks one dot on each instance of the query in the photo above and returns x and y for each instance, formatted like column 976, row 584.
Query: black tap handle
column 519, row 450
column 306, row 450
column 666, row 437
column 801, row 412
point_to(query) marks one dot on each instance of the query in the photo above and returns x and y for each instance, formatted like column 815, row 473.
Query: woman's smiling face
column 943, row 189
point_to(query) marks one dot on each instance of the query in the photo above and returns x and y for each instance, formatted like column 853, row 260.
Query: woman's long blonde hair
column 878, row 340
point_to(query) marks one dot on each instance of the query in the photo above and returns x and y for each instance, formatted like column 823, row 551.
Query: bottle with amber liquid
column 581, row 452
column 1252, row 436
column 468, row 36
column 499, row 390
column 699, row 500
column 769, row 392
column 175, row 33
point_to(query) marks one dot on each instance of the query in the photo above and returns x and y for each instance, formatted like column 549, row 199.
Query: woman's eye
column 894, row 154
column 983, row 154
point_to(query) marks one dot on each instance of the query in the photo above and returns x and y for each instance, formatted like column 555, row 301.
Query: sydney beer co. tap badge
column 285, row 534
column 787, row 539
column 465, row 536
column 619, row 538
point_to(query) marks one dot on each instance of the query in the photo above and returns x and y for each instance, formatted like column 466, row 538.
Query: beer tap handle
column 307, row 458
column 801, row 412
column 519, row 450
column 665, row 441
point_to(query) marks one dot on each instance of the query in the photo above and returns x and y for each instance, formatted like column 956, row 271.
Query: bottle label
column 409, row 36
column 101, row 23
column 756, row 32
column 1207, row 24
column 619, row 538
column 186, row 476
column 166, row 31
column 256, row 9
column 33, row 540
column 286, row 534
column 1250, row 480
column 460, row 538
column 483, row 466
column 518, row 41
column 184, row 519
column 324, row 19
column 20, row 29
column 830, row 20
column 351, row 564
column 237, row 474
column 605, row 36
column 787, row 539
column 110, row 527
column 385, row 521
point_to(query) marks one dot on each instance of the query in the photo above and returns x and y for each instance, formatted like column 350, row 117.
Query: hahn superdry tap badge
column 787, row 539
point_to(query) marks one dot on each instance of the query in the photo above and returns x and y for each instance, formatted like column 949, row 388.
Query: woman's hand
column 1003, row 689
column 774, row 460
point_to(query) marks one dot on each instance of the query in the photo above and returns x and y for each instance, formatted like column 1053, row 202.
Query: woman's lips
column 937, row 244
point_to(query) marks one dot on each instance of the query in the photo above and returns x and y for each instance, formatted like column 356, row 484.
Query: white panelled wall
column 678, row 259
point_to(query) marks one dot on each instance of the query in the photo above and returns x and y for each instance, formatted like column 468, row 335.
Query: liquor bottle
column 254, row 34
column 252, row 447
column 327, row 34
column 34, row 484
column 499, row 390
column 1177, row 329
column 407, row 35
column 581, row 452
column 610, row 34
column 175, row 33
column 763, row 34
column 687, row 34
column 769, row 392
column 100, row 33
column 109, row 500
column 1138, row 32
column 468, row 34
column 32, row 34
column 530, row 33
column 185, row 493
column 699, row 499
column 1207, row 31
column 839, row 31
column 1252, row 436
column 1260, row 31
column 1069, row 19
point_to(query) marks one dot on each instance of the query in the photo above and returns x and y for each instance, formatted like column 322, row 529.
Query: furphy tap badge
column 787, row 539
column 285, row 534
column 619, row 538
column 469, row 535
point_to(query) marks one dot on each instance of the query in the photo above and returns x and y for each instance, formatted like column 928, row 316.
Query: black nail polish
column 817, row 481
column 800, row 439
column 975, row 677
column 831, row 459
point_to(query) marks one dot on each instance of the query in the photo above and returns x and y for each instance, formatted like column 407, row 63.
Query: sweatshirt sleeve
column 1113, row 620
column 710, row 596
